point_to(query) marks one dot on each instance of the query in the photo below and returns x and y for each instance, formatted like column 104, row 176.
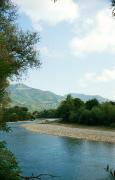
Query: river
column 67, row 158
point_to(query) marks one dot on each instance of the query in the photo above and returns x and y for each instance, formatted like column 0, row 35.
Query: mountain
column 36, row 99
column 85, row 97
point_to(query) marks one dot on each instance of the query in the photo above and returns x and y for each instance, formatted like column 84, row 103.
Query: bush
column 9, row 169
column 89, row 113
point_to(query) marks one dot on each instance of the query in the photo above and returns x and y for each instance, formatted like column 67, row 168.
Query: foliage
column 50, row 113
column 73, row 110
column 36, row 99
column 17, row 54
column 9, row 169
column 92, row 103
column 17, row 50
column 17, row 113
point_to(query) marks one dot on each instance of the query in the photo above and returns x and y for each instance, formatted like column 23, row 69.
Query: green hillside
column 36, row 99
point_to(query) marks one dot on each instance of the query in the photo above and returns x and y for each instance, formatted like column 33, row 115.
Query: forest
column 74, row 110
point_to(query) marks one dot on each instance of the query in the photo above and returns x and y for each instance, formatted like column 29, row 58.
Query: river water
column 67, row 158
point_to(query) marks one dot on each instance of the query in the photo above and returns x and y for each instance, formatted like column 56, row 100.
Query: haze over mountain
column 36, row 99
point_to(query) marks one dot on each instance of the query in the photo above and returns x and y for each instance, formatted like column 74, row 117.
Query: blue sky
column 77, row 45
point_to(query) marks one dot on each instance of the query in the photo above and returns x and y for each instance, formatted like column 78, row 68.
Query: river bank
column 85, row 133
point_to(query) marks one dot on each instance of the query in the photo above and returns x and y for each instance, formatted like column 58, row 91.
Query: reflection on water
column 68, row 158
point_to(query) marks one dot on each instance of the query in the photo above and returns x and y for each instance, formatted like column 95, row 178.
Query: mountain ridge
column 36, row 99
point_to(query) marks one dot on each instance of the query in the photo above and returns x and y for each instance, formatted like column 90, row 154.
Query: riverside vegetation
column 17, row 55
column 74, row 110
column 70, row 110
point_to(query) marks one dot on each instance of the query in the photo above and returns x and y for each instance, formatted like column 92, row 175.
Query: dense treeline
column 89, row 113
column 51, row 113
column 73, row 110
column 17, row 113
column 17, row 55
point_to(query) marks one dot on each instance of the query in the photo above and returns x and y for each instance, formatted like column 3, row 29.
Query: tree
column 85, row 117
column 17, row 55
column 9, row 169
column 17, row 113
column 91, row 103
column 78, row 103
column 65, row 108
column 17, row 50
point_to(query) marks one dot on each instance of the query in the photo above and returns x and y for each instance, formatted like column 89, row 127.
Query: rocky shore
column 73, row 132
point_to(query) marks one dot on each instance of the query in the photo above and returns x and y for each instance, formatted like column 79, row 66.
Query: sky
column 77, row 45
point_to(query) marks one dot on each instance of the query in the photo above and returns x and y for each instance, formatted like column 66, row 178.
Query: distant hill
column 84, row 97
column 36, row 99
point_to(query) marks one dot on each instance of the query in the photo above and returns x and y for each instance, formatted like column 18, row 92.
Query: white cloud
column 99, row 38
column 88, row 77
column 47, row 11
column 47, row 53
column 107, row 75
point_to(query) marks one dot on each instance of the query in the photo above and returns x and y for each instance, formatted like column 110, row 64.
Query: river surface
column 67, row 158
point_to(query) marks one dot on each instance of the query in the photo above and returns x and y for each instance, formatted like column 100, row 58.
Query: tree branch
column 36, row 177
